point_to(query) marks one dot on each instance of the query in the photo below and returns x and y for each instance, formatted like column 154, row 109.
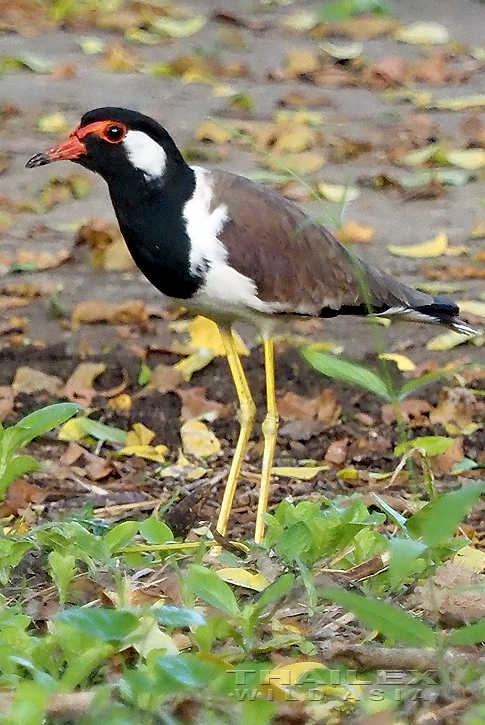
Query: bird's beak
column 69, row 150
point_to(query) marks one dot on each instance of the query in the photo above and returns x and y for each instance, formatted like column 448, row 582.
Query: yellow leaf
column 151, row 453
column 337, row 193
column 301, row 21
column 433, row 248
column 344, row 51
column 302, row 61
column 139, row 436
column 447, row 341
column 243, row 578
column 179, row 27
column 348, row 474
column 191, row 364
column 72, row 431
column 148, row 637
column 423, row 33
column 121, row 402
column 198, row 439
column 205, row 335
column 282, row 678
column 470, row 557
column 403, row 363
column 303, row 473
column 467, row 158
column 473, row 307
column 52, row 123
column 461, row 104
column 355, row 233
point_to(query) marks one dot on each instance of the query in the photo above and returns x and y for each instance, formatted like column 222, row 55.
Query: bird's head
column 114, row 142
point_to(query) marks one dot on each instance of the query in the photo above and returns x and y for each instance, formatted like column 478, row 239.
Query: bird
column 232, row 250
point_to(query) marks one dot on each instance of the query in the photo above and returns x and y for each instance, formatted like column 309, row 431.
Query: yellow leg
column 247, row 413
column 270, row 431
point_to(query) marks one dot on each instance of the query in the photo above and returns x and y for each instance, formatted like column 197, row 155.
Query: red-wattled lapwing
column 229, row 249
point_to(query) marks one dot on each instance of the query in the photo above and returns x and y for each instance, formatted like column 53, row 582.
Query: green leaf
column 145, row 374
column 390, row 620
column 40, row 422
column 468, row 635
column 404, row 553
column 155, row 531
column 107, row 625
column 178, row 617
column 16, row 468
column 121, row 534
column 394, row 515
column 416, row 383
column 212, row 589
column 102, row 432
column 347, row 371
column 185, row 671
column 275, row 591
column 437, row 522
column 431, row 445
column 294, row 541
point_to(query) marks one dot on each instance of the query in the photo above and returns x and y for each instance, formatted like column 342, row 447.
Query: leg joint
column 270, row 425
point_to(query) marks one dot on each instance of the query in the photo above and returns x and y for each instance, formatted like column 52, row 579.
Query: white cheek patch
column 145, row 154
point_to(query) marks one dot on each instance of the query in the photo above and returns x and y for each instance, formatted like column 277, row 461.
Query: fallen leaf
column 53, row 123
column 197, row 405
column 423, row 33
column 337, row 193
column 164, row 378
column 79, row 387
column 139, row 435
column 323, row 408
column 130, row 312
column 472, row 307
column 467, row 158
column 302, row 473
column 460, row 104
column 205, row 335
column 19, row 494
column 433, row 248
column 337, row 452
column 456, row 410
column 403, row 363
column 443, row 463
column 151, row 453
column 354, row 233
column 179, row 27
column 449, row 340
column 198, row 440
column 243, row 578
column 30, row 380
column 470, row 557
column 414, row 412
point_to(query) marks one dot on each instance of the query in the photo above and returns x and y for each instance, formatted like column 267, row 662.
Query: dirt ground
column 46, row 339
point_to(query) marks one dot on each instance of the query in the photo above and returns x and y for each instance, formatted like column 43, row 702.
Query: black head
column 116, row 142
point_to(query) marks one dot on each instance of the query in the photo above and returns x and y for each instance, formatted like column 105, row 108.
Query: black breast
column 150, row 215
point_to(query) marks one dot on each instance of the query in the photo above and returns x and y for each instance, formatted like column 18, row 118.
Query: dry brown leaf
column 108, row 249
column 30, row 380
column 444, row 462
column 414, row 411
column 337, row 452
column 323, row 408
column 79, row 387
column 92, row 311
column 456, row 410
column 119, row 58
column 197, row 405
column 20, row 493
column 164, row 378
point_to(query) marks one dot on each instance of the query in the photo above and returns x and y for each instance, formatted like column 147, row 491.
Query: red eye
column 114, row 132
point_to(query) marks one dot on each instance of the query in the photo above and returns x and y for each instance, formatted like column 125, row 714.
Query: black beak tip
column 39, row 159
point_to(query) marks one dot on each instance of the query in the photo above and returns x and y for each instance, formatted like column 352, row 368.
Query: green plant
column 13, row 465
column 348, row 371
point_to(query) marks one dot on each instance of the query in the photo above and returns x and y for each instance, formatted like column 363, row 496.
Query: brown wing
column 296, row 263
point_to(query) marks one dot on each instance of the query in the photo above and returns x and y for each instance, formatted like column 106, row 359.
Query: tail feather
column 439, row 312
